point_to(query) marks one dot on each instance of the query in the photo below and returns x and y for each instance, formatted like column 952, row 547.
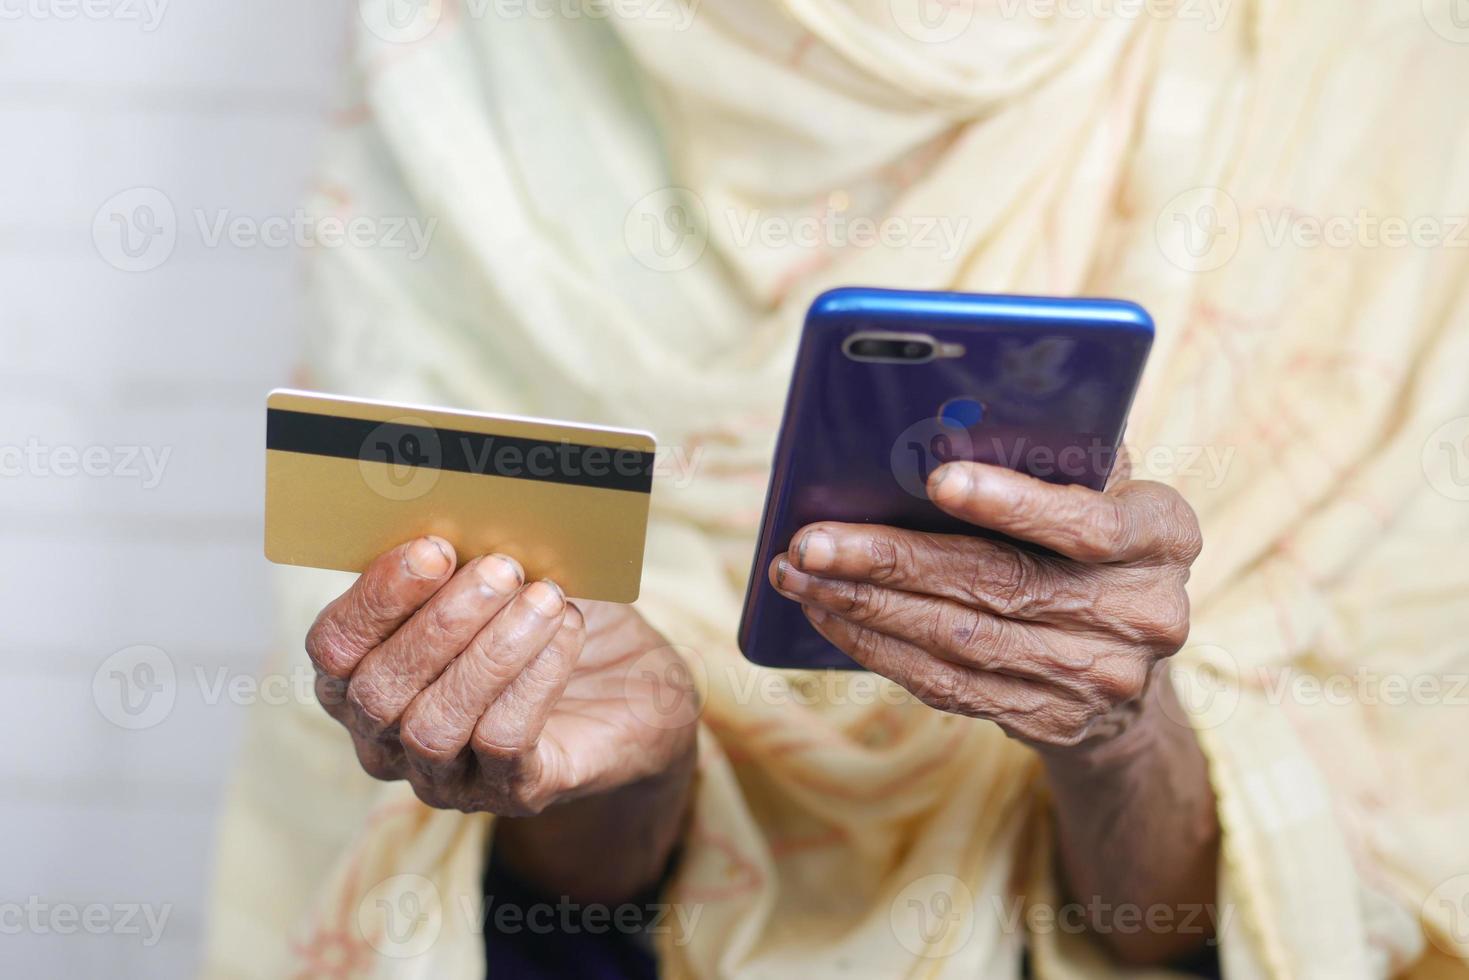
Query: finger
column 331, row 694
column 507, row 736
column 392, row 675
column 1121, row 468
column 991, row 575
column 379, row 758
column 384, row 595
column 437, row 724
column 937, row 683
column 1137, row 521
column 960, row 634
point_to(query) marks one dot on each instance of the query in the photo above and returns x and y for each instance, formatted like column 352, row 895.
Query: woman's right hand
column 491, row 694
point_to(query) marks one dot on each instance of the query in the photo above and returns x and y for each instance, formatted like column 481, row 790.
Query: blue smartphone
column 890, row 384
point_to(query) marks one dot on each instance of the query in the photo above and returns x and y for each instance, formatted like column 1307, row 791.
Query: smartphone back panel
column 1037, row 384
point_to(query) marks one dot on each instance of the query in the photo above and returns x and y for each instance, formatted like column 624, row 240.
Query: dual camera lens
column 890, row 349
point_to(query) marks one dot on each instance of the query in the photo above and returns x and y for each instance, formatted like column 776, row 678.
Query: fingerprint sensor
column 961, row 413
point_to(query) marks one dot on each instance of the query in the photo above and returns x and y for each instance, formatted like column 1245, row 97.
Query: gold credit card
column 347, row 479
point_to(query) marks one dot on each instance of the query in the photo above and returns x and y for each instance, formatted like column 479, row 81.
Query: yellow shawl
column 636, row 200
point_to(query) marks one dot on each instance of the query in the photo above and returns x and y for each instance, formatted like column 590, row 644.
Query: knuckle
column 371, row 704
column 430, row 795
column 1028, row 509
column 331, row 694
column 514, row 794
column 499, row 747
column 542, row 674
column 1120, row 681
column 883, row 557
column 1176, row 526
column 439, row 623
column 1021, row 716
column 518, row 805
column 574, row 622
column 965, row 631
column 427, row 739
column 1102, row 530
column 1190, row 537
column 862, row 601
column 376, row 761
column 1010, row 586
column 375, row 594
column 496, row 660
column 1165, row 622
column 942, row 691
column 329, row 647
column 864, row 645
column 1069, row 725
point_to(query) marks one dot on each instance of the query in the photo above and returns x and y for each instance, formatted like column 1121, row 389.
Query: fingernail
column 502, row 574
column 953, row 482
column 546, row 597
column 817, row 551
column 788, row 578
column 427, row 558
column 814, row 613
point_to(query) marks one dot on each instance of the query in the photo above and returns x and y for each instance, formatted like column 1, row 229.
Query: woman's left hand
column 1057, row 647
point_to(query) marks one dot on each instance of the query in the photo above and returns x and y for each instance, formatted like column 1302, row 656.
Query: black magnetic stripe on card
column 513, row 457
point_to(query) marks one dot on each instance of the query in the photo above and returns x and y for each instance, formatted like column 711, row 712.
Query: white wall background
column 220, row 106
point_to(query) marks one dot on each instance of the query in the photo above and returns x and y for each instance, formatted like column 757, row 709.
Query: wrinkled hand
column 1057, row 647
column 490, row 694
